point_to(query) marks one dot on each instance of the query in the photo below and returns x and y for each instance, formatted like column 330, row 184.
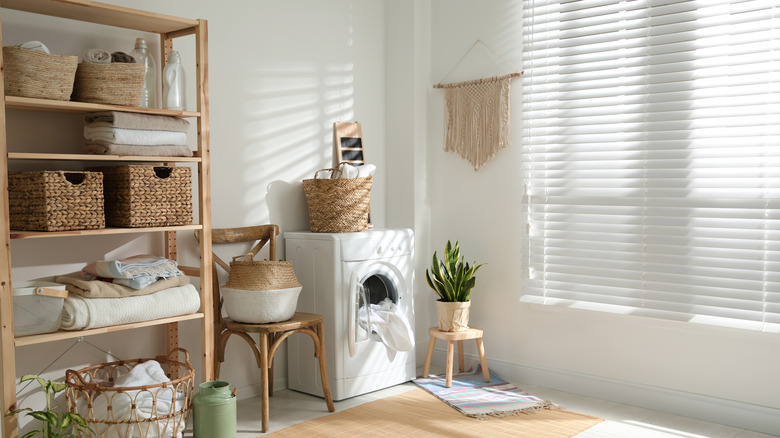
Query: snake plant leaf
column 451, row 278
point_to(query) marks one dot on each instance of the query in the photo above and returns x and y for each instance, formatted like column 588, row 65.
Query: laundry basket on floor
column 142, row 411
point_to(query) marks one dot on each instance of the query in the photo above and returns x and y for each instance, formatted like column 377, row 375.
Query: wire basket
column 149, row 411
column 30, row 73
column 337, row 205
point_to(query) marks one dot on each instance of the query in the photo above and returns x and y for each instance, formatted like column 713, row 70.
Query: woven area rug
column 472, row 396
column 418, row 414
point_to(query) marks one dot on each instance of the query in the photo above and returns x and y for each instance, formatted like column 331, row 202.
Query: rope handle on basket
column 173, row 356
column 334, row 171
column 248, row 257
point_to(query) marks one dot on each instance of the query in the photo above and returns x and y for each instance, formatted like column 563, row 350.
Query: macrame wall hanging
column 477, row 118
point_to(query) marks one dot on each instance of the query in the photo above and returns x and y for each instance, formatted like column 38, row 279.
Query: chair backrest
column 262, row 234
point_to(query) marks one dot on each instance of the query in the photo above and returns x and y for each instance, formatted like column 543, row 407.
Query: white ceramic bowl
column 260, row 306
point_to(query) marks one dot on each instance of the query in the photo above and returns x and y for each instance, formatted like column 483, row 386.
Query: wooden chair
column 270, row 335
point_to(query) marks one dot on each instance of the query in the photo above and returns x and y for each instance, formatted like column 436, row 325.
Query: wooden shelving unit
column 169, row 28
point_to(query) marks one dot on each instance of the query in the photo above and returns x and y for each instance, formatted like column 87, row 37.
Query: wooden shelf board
column 66, row 106
column 102, row 13
column 89, row 157
column 15, row 234
column 70, row 334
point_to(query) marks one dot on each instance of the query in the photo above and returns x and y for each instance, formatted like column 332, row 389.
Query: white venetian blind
column 652, row 133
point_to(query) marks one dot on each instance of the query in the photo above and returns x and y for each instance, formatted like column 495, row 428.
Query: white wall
column 656, row 363
column 280, row 74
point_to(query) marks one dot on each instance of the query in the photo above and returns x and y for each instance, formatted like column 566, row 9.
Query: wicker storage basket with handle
column 152, row 410
column 260, row 291
column 55, row 200
column 337, row 205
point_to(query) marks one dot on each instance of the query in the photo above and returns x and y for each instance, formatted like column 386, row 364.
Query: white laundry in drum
column 390, row 323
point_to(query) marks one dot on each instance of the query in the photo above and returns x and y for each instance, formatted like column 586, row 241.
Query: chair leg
column 271, row 378
column 323, row 367
column 450, row 348
column 428, row 357
column 483, row 360
column 266, row 414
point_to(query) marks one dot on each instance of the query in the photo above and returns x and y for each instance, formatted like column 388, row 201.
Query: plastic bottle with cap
column 143, row 56
column 174, row 83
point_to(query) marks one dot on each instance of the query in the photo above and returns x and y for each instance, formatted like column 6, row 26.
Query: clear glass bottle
column 143, row 56
column 174, row 83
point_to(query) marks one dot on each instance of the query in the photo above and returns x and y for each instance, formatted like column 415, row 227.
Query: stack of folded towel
column 120, row 133
column 135, row 289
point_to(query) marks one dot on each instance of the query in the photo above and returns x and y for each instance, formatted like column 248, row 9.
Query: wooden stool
column 451, row 337
column 271, row 336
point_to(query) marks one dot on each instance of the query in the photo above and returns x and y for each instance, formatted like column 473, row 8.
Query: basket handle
column 247, row 257
column 69, row 374
column 173, row 356
column 333, row 171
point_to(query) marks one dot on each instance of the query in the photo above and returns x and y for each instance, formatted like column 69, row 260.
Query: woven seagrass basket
column 30, row 73
column 157, row 410
column 55, row 201
column 337, row 205
column 260, row 291
column 251, row 274
column 116, row 83
column 147, row 196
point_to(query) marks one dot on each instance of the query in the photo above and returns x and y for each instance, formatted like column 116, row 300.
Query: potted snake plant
column 452, row 279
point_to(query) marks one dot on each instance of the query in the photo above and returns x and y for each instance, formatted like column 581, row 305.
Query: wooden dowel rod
column 478, row 81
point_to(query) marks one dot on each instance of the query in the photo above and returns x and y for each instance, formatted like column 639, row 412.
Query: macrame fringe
column 529, row 410
column 477, row 119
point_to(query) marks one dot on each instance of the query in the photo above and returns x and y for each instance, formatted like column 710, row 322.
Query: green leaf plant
column 451, row 278
column 53, row 424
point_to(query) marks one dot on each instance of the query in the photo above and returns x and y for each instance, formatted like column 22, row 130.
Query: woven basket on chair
column 147, row 196
column 55, row 201
column 337, row 205
column 116, row 83
column 30, row 73
column 260, row 291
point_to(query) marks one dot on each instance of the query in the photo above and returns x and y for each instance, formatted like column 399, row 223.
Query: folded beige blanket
column 76, row 283
column 105, row 148
column 117, row 119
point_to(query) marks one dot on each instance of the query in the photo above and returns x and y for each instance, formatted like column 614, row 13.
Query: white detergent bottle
column 143, row 56
column 173, row 83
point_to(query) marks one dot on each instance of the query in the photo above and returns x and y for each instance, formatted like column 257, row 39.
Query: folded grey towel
column 122, row 57
column 97, row 56
column 104, row 148
column 35, row 45
column 117, row 119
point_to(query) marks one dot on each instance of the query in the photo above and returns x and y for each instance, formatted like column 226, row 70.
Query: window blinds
column 652, row 156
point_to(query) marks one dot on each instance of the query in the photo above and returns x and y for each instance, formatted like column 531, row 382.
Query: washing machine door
column 371, row 282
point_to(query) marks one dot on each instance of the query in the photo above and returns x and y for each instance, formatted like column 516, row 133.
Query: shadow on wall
column 288, row 136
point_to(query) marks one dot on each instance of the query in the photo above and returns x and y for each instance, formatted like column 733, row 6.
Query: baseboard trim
column 727, row 412
column 249, row 391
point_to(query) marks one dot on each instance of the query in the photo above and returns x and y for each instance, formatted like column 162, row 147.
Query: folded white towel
column 366, row 170
column 35, row 45
column 84, row 313
column 140, row 137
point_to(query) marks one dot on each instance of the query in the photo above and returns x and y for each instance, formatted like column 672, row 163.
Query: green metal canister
column 214, row 411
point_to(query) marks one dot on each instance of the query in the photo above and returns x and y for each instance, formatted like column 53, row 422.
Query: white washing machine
column 340, row 273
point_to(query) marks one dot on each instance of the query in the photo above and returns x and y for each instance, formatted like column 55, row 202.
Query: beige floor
column 622, row 421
